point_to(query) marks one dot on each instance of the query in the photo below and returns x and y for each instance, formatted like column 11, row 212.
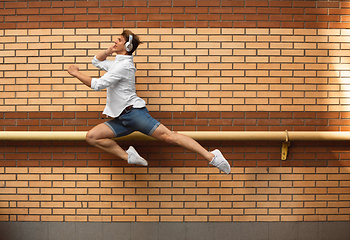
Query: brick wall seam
column 280, row 65
column 227, row 70
column 156, row 195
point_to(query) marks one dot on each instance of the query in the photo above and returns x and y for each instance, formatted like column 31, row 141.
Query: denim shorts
column 135, row 119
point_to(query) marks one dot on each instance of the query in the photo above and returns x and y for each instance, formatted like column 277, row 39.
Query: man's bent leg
column 100, row 136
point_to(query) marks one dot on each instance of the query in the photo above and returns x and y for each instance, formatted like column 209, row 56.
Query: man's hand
column 112, row 49
column 73, row 70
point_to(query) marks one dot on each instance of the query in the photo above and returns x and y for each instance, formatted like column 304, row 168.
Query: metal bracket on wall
column 284, row 149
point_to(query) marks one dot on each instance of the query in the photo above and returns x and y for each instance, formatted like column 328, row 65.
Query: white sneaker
column 220, row 162
column 135, row 158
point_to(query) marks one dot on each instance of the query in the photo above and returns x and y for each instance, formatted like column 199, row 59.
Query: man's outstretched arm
column 74, row 71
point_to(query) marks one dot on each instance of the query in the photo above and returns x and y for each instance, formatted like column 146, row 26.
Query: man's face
column 120, row 44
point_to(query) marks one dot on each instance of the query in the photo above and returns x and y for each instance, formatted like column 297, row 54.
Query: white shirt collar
column 120, row 57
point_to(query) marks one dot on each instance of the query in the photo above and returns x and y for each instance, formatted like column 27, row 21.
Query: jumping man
column 129, row 111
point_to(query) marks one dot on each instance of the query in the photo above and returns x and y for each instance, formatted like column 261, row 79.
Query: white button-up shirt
column 119, row 80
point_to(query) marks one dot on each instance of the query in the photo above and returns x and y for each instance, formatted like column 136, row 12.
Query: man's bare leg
column 215, row 157
column 101, row 136
column 162, row 133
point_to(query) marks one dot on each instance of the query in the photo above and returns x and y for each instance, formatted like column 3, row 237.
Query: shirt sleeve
column 108, row 79
column 103, row 65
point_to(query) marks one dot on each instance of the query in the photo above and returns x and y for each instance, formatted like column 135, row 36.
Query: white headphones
column 128, row 45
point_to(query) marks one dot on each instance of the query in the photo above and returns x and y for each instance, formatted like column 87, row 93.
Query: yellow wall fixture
column 284, row 148
column 197, row 135
column 286, row 136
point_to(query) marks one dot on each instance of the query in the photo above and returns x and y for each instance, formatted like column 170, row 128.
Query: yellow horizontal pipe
column 197, row 135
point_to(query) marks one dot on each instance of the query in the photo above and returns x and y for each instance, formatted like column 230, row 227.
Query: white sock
column 135, row 158
column 220, row 162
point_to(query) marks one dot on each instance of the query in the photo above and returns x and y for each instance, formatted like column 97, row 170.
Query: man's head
column 131, row 38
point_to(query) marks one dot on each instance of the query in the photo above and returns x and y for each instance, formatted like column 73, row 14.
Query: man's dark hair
column 135, row 40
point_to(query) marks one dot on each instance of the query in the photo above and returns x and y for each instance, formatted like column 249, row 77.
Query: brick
column 289, row 91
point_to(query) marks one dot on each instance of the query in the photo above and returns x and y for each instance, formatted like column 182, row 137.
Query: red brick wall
column 205, row 66
column 173, row 14
column 243, row 154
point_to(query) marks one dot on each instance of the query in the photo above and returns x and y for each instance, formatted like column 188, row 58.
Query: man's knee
column 90, row 138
